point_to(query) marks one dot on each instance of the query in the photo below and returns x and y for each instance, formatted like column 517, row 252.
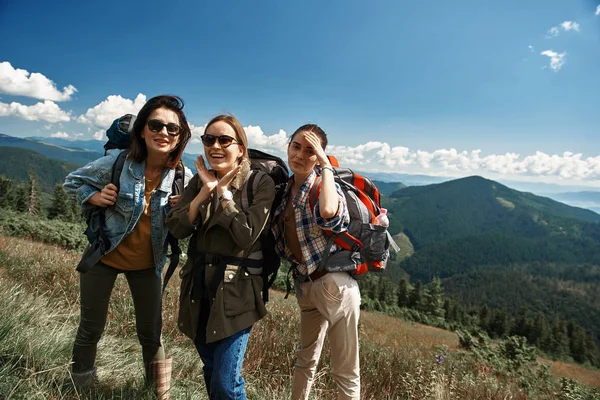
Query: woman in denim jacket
column 136, row 228
column 221, row 285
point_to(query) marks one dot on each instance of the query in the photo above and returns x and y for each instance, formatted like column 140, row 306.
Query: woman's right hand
column 106, row 197
column 209, row 180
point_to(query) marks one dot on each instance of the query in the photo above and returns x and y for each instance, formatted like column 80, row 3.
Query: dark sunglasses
column 224, row 140
column 156, row 126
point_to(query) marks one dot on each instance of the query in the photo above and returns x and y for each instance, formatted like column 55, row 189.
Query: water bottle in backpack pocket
column 375, row 249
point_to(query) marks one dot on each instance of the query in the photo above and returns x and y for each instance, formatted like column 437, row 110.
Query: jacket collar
column 137, row 171
column 241, row 177
column 304, row 191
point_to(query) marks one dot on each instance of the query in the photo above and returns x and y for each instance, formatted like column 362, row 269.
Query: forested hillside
column 75, row 156
column 500, row 248
column 386, row 188
column 16, row 164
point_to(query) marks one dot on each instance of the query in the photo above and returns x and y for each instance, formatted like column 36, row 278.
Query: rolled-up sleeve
column 246, row 227
column 340, row 221
column 84, row 182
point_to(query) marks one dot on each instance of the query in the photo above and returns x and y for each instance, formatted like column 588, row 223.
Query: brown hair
column 237, row 128
column 314, row 129
column 138, row 151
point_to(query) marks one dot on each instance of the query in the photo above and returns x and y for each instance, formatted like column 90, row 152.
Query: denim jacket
column 121, row 218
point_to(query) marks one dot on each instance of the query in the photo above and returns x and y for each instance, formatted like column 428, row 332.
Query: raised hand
column 208, row 179
column 228, row 177
column 106, row 197
column 315, row 143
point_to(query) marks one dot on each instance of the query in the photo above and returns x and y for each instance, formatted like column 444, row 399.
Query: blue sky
column 499, row 89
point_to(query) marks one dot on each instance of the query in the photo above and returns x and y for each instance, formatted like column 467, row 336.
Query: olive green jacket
column 229, row 232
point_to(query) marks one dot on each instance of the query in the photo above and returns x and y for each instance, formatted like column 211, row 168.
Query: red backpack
column 365, row 244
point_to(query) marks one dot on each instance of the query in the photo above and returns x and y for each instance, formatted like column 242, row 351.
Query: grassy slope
column 39, row 318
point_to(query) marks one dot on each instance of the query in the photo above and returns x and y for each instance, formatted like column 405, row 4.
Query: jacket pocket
column 125, row 201
column 238, row 291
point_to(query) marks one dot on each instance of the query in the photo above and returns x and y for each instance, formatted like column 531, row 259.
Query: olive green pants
column 95, row 289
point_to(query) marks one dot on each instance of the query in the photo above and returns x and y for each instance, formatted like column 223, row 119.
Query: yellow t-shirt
column 134, row 253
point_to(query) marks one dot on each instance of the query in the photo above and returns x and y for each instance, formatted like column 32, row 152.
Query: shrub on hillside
column 65, row 234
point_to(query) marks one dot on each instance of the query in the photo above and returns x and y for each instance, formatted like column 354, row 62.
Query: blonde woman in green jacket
column 221, row 285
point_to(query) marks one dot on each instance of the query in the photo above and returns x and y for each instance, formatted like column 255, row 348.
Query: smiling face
column 301, row 156
column 160, row 143
column 223, row 159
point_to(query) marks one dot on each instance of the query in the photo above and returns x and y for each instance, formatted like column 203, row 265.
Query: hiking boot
column 158, row 375
column 84, row 380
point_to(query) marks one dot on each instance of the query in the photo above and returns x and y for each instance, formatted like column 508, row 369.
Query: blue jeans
column 223, row 364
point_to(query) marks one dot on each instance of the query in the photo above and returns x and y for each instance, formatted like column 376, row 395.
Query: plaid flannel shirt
column 309, row 226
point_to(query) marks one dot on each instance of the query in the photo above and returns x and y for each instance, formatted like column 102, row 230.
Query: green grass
column 39, row 317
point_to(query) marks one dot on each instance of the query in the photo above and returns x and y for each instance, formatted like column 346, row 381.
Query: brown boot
column 158, row 375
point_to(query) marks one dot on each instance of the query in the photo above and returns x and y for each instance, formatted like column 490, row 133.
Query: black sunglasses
column 156, row 126
column 224, row 140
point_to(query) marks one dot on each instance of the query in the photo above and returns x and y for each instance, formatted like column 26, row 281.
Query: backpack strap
column 248, row 189
column 177, row 188
column 97, row 237
column 343, row 239
column 115, row 177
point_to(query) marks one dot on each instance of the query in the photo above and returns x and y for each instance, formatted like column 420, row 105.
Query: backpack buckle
column 213, row 259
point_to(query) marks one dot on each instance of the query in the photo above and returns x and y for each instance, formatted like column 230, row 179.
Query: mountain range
column 490, row 244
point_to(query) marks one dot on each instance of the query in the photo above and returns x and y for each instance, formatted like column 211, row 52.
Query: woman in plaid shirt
column 329, row 301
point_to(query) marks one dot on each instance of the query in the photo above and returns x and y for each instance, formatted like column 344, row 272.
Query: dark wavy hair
column 138, row 151
column 312, row 128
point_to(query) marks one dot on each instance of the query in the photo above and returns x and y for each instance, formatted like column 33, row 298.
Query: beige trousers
column 330, row 304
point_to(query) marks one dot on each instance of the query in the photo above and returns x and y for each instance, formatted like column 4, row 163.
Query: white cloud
column 565, row 26
column 379, row 157
column 99, row 135
column 47, row 111
column 598, row 10
column 197, row 131
column 61, row 135
column 19, row 82
column 257, row 139
column 570, row 25
column 275, row 144
column 557, row 60
column 115, row 106
column 553, row 32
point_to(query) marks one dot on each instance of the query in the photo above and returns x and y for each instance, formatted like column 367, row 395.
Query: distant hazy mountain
column 15, row 163
column 585, row 199
column 386, row 188
column 406, row 179
column 72, row 155
column 91, row 145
